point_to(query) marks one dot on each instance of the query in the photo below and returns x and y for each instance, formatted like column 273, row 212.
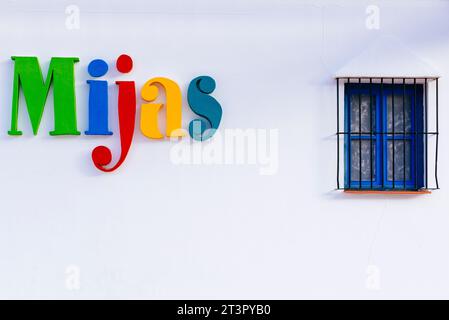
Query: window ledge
column 388, row 192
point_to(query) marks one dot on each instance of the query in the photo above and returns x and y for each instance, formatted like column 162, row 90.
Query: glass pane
column 399, row 113
column 399, row 160
column 363, row 145
column 365, row 116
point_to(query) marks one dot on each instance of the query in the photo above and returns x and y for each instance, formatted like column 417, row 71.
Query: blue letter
column 98, row 99
column 205, row 106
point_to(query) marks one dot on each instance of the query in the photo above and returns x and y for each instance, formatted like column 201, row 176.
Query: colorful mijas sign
column 28, row 78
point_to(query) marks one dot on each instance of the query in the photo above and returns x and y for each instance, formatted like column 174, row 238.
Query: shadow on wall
column 341, row 195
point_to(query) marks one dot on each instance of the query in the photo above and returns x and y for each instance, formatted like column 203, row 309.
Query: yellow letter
column 149, row 113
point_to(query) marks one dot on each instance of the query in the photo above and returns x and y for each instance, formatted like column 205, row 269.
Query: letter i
column 98, row 99
column 102, row 155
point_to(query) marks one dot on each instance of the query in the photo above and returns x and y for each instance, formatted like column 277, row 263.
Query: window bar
column 437, row 135
column 403, row 129
column 426, row 134
column 416, row 136
column 348, row 128
column 338, row 133
column 371, row 130
column 417, row 132
column 382, row 163
column 393, row 127
column 360, row 137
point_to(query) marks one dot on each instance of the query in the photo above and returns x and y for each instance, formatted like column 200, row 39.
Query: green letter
column 28, row 75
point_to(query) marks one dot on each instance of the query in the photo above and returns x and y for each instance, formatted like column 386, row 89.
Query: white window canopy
column 387, row 57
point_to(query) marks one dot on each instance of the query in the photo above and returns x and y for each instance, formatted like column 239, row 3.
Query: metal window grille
column 429, row 132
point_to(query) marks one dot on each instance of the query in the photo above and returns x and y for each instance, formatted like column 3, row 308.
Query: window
column 385, row 144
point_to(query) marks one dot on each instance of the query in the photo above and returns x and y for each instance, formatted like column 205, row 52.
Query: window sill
column 389, row 192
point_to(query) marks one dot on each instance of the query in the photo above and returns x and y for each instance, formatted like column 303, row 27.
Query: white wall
column 156, row 230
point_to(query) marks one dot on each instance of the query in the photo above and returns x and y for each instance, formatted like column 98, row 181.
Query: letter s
column 205, row 106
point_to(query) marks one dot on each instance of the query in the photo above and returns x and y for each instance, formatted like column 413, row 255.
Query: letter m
column 28, row 77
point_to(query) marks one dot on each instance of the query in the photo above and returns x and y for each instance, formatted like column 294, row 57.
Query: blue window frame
column 384, row 137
